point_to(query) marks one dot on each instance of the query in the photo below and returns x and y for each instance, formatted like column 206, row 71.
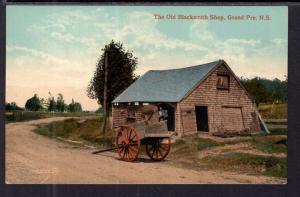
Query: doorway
column 202, row 118
column 170, row 115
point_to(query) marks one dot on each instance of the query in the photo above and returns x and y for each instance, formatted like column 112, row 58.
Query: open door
column 201, row 118
column 170, row 115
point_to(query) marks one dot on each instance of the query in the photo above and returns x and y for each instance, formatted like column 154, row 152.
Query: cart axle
column 104, row 150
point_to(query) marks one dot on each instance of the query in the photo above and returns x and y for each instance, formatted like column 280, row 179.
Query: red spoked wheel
column 158, row 149
column 128, row 143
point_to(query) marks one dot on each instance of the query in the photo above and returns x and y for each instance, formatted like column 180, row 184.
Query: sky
column 55, row 48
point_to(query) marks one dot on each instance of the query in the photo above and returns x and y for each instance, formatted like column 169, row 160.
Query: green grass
column 88, row 131
column 262, row 142
column 270, row 144
column 57, row 129
column 278, row 131
column 28, row 115
column 185, row 151
column 247, row 163
column 190, row 144
column 273, row 111
column 275, row 142
column 203, row 143
column 178, row 143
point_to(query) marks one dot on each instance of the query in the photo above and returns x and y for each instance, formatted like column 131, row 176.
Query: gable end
column 221, row 63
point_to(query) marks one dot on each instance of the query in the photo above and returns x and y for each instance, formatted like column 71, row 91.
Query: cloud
column 67, row 37
column 37, row 53
column 142, row 27
column 199, row 30
column 279, row 41
column 39, row 28
column 242, row 42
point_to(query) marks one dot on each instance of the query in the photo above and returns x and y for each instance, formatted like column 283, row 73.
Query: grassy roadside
column 72, row 129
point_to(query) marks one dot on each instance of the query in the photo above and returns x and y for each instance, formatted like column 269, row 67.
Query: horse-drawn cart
column 155, row 137
column 150, row 132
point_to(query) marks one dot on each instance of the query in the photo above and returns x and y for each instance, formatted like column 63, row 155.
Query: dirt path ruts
column 237, row 148
column 31, row 158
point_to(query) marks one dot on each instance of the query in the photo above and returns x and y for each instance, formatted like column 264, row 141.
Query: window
column 223, row 82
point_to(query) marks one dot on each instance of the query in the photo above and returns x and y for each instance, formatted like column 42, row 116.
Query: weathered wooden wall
column 120, row 113
column 220, row 105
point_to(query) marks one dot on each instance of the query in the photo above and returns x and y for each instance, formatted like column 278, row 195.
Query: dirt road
column 32, row 158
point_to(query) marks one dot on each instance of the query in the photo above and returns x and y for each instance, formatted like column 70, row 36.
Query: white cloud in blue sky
column 55, row 48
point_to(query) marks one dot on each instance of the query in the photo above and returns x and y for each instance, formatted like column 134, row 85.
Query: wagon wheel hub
column 158, row 149
column 127, row 143
column 126, row 140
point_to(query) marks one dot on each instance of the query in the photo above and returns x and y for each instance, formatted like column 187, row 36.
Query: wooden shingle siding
column 119, row 114
column 207, row 94
column 232, row 119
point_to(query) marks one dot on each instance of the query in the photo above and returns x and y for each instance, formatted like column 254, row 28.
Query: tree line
column 265, row 90
column 48, row 105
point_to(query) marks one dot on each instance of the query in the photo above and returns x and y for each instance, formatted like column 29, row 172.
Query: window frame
column 220, row 87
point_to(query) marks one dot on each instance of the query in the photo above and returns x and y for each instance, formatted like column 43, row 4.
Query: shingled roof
column 166, row 85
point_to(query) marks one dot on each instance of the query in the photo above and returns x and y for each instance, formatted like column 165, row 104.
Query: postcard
column 111, row 94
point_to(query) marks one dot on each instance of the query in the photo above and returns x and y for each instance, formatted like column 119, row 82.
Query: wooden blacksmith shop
column 203, row 98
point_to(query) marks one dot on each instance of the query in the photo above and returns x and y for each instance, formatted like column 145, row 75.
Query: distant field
column 28, row 115
column 273, row 111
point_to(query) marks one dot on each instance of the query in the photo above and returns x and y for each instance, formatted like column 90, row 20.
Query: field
column 273, row 111
column 20, row 116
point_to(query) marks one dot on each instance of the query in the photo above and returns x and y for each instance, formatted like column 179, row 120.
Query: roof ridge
column 217, row 61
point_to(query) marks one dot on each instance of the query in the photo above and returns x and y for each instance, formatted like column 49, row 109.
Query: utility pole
column 105, row 110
